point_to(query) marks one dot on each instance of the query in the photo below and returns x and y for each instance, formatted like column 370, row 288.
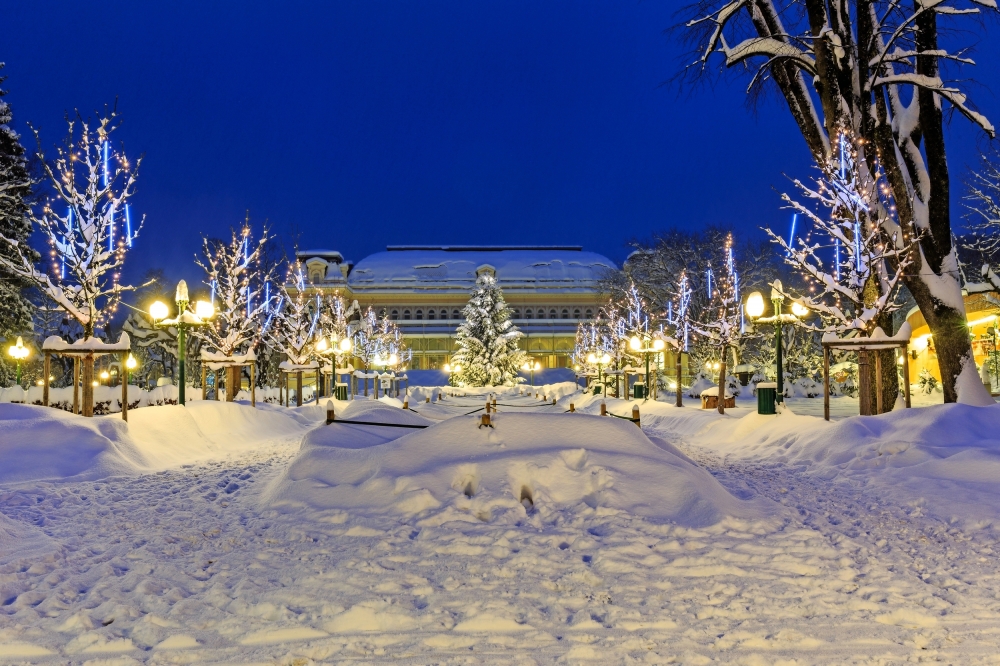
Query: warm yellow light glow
column 393, row 359
column 182, row 292
column 447, row 367
column 40, row 382
column 606, row 359
column 104, row 374
column 755, row 305
column 130, row 362
column 458, row 368
column 659, row 344
column 799, row 310
column 158, row 310
column 974, row 322
column 322, row 345
column 95, row 383
column 591, row 358
column 18, row 350
column 204, row 310
column 635, row 343
column 538, row 366
column 345, row 345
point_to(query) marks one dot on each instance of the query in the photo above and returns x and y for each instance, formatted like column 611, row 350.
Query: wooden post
column 204, row 381
column 826, row 383
column 485, row 420
column 878, row 382
column 76, row 384
column 215, row 375
column 906, row 376
column 487, row 406
column 298, row 388
column 123, row 373
column 864, row 397
column 406, row 403
column 635, row 415
column 553, row 401
column 604, row 409
column 427, row 399
column 253, row 384
column 330, row 414
column 572, row 407
column 88, row 385
column 234, row 378
column 47, row 369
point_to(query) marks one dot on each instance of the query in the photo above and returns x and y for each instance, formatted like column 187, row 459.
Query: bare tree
column 872, row 68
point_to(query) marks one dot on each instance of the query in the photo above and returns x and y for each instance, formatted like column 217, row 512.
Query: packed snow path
column 182, row 566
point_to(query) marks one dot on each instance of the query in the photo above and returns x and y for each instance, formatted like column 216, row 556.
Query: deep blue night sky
column 361, row 124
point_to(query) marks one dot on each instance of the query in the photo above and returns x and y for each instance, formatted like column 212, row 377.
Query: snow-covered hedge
column 107, row 399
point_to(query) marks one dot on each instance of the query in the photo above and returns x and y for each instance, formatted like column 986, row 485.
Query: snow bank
column 943, row 460
column 527, row 465
column 46, row 443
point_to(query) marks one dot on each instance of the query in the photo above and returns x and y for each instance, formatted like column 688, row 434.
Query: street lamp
column 185, row 319
column 336, row 348
column 646, row 346
column 130, row 365
column 600, row 362
column 18, row 352
column 754, row 310
column 531, row 367
column 105, row 376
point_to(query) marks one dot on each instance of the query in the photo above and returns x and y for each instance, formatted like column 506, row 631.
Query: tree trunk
column 234, row 377
column 298, row 388
column 88, row 385
column 722, row 382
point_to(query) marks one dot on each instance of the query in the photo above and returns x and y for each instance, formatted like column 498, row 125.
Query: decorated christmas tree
column 487, row 354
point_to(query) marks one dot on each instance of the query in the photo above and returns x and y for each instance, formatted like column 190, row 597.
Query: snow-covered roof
column 454, row 268
column 54, row 343
column 329, row 255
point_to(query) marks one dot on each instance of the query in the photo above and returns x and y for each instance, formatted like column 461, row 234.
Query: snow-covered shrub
column 927, row 382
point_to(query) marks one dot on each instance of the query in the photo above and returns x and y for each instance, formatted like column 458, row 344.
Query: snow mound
column 528, row 465
column 46, row 443
column 944, row 458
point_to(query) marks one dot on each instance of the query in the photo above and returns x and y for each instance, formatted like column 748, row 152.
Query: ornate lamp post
column 185, row 319
column 531, row 367
column 337, row 348
column 130, row 365
column 754, row 310
column 646, row 346
column 600, row 361
column 18, row 352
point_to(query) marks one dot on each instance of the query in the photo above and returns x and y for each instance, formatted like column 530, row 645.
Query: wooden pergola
column 878, row 340
column 215, row 362
column 286, row 368
column 86, row 350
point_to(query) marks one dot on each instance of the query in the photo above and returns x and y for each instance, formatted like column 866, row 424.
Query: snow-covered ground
column 217, row 533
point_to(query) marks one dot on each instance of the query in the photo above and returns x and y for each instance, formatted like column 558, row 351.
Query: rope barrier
column 626, row 418
column 387, row 425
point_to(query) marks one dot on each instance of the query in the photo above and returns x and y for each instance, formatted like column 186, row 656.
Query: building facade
column 549, row 289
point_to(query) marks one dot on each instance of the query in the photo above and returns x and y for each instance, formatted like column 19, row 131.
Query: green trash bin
column 340, row 392
column 597, row 389
column 767, row 394
column 638, row 391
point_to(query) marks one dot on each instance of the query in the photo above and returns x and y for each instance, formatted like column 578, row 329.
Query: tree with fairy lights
column 241, row 294
column 488, row 352
column 377, row 342
column 290, row 328
column 984, row 213
column 878, row 69
column 723, row 322
column 88, row 225
column 856, row 255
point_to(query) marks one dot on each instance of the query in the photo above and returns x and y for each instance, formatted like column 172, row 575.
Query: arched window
column 394, row 315
column 315, row 276
column 576, row 313
column 527, row 313
column 456, row 314
column 515, row 314
column 420, row 314
column 430, row 314
column 444, row 314
column 565, row 313
column 552, row 314
column 406, row 315
column 589, row 314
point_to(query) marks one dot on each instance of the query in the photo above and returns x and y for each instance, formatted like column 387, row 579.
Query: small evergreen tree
column 15, row 188
column 488, row 354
